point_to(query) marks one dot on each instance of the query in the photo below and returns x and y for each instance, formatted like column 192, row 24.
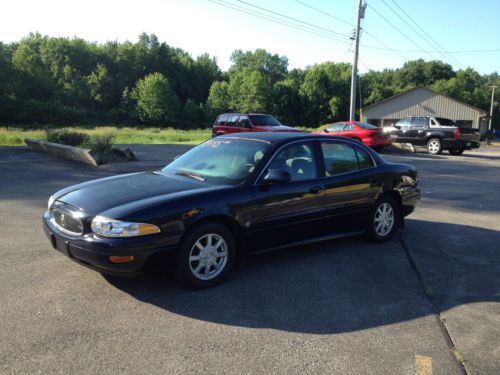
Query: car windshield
column 220, row 160
column 265, row 120
column 366, row 125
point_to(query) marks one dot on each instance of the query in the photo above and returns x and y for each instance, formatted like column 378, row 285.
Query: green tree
column 157, row 103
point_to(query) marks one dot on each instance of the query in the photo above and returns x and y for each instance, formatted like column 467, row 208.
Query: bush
column 101, row 146
column 66, row 137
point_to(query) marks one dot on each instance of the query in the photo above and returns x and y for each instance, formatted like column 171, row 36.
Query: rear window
column 265, row 120
column 445, row 121
column 366, row 125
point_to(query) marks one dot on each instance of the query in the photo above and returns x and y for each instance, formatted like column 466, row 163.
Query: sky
column 318, row 35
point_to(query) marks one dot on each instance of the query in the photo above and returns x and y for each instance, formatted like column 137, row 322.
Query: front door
column 289, row 212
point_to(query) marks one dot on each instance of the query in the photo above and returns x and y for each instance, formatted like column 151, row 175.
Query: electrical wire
column 279, row 21
column 401, row 32
column 419, row 34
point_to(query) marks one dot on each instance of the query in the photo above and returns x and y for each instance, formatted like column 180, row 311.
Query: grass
column 14, row 136
column 11, row 136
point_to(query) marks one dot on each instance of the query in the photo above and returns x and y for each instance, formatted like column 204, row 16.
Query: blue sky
column 199, row 26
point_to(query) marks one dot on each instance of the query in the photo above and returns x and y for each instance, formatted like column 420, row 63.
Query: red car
column 368, row 134
column 228, row 123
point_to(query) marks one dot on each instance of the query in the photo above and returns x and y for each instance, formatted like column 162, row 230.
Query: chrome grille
column 66, row 221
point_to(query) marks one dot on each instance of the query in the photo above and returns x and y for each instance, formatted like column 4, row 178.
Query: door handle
column 316, row 190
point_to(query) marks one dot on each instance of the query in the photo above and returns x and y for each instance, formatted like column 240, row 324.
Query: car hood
column 98, row 196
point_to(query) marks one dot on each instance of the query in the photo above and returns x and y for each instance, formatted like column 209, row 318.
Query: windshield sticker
column 216, row 143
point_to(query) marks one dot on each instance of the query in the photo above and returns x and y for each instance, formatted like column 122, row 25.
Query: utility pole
column 354, row 74
column 491, row 108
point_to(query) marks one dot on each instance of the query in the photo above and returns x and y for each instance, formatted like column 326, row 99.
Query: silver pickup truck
column 435, row 133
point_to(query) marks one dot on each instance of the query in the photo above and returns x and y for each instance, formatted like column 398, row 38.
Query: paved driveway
column 345, row 306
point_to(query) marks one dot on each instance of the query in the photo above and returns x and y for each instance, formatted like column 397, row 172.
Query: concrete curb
column 79, row 154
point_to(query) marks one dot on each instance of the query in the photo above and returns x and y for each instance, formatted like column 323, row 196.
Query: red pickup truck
column 228, row 123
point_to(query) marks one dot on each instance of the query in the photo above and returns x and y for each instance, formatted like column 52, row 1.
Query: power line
column 401, row 32
column 291, row 18
column 325, row 13
column 277, row 20
column 418, row 33
column 329, row 36
column 350, row 24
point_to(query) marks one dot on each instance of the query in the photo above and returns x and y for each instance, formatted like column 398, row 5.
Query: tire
column 357, row 140
column 378, row 148
column 434, row 146
column 198, row 269
column 456, row 151
column 384, row 219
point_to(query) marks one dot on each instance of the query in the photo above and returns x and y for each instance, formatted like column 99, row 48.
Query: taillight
column 456, row 134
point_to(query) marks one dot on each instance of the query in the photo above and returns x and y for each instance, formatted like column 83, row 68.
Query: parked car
column 435, row 133
column 368, row 134
column 230, row 195
column 229, row 123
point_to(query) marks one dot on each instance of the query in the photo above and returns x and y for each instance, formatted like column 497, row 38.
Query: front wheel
column 434, row 146
column 205, row 256
column 383, row 219
column 456, row 151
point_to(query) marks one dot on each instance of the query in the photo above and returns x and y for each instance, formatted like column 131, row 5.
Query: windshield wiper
column 191, row 175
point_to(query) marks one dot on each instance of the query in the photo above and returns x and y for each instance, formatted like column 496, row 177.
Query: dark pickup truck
column 435, row 133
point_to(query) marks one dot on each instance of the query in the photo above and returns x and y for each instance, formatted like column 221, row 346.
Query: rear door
column 350, row 185
column 288, row 212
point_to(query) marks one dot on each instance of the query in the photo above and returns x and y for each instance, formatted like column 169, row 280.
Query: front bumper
column 93, row 252
column 409, row 200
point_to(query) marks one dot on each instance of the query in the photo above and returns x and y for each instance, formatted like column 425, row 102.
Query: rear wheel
column 456, row 151
column 378, row 148
column 206, row 255
column 434, row 146
column 356, row 139
column 384, row 218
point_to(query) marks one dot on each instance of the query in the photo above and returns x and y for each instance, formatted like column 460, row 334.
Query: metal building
column 421, row 101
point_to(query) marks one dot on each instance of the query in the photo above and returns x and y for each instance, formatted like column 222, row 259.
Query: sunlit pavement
column 411, row 306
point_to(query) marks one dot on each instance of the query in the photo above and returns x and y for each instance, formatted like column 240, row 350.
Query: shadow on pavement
column 331, row 287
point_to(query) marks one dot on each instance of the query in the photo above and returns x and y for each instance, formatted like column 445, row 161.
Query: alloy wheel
column 208, row 256
column 384, row 219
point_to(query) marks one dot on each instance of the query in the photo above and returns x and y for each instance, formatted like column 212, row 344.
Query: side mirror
column 326, row 130
column 397, row 127
column 276, row 176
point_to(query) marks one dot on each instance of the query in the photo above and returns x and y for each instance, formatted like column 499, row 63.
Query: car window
column 264, row 120
column 418, row 122
column 336, row 127
column 366, row 125
column 233, row 119
column 221, row 120
column 405, row 122
column 364, row 159
column 243, row 122
column 298, row 159
column 339, row 158
column 348, row 127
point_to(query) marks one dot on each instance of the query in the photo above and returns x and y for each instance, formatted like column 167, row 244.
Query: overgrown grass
column 11, row 136
column 14, row 136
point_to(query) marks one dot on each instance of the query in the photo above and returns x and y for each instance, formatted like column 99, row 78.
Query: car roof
column 279, row 137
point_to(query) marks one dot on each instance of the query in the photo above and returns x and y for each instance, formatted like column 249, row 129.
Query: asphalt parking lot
column 420, row 304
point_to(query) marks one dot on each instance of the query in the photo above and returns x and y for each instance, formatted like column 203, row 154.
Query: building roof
column 371, row 106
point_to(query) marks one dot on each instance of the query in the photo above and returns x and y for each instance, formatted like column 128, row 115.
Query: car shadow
column 330, row 287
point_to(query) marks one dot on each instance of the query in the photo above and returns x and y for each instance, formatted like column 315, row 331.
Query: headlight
column 51, row 201
column 115, row 228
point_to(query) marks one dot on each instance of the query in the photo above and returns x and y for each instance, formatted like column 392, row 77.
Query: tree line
column 45, row 80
